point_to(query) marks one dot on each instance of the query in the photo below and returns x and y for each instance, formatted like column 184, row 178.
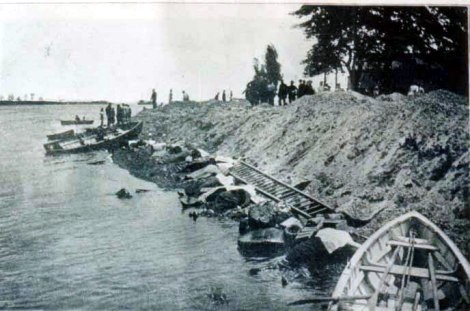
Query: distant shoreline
column 46, row 102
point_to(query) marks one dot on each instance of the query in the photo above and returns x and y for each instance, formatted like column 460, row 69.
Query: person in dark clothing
column 154, row 99
column 112, row 116
column 292, row 91
column 282, row 94
column 108, row 114
column 119, row 114
column 301, row 90
column 224, row 97
column 231, row 95
column 308, row 88
column 102, row 117
column 217, row 96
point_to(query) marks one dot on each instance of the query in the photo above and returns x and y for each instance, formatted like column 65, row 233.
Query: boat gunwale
column 361, row 251
column 96, row 145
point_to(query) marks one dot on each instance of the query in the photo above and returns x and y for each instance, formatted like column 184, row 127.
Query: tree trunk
column 352, row 80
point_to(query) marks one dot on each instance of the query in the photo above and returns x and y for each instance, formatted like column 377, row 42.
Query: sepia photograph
column 227, row 155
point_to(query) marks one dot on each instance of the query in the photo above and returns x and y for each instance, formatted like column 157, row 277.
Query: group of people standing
column 153, row 97
column 224, row 96
column 293, row 92
column 120, row 115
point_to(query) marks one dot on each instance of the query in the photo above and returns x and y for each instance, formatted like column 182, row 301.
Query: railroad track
column 299, row 202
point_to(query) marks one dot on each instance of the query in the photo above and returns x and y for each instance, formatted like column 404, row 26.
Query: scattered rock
column 262, row 242
column 123, row 194
column 262, row 215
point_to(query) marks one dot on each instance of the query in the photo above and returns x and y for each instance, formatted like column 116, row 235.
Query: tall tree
column 273, row 68
column 358, row 37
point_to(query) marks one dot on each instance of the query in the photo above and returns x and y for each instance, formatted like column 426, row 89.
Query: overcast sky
column 119, row 52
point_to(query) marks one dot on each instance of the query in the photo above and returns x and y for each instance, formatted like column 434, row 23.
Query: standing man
column 119, row 114
column 154, row 99
column 108, row 114
column 102, row 117
column 224, row 97
column 231, row 95
column 271, row 93
column 170, row 99
column 112, row 116
column 292, row 89
column 282, row 94
column 301, row 89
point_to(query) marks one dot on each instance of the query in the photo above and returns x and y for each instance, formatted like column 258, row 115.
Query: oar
column 325, row 299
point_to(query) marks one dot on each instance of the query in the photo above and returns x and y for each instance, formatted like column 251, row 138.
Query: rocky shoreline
column 357, row 153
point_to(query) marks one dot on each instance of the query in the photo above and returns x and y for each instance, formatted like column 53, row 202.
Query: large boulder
column 198, row 164
column 262, row 242
column 195, row 186
column 226, row 200
column 265, row 215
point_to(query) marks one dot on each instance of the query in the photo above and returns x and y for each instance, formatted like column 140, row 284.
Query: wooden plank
column 432, row 273
column 414, row 271
column 287, row 195
column 319, row 211
column 300, row 212
column 372, row 303
column 443, row 261
column 313, row 209
column 417, row 246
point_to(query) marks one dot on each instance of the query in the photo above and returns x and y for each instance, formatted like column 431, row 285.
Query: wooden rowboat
column 63, row 135
column 76, row 122
column 408, row 264
column 95, row 139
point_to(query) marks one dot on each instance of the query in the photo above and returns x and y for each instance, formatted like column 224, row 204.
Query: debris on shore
column 359, row 154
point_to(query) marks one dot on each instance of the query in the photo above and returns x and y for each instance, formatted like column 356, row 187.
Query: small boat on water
column 95, row 139
column 408, row 264
column 63, row 135
column 76, row 122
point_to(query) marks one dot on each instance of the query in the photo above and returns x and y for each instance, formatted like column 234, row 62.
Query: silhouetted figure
column 217, row 96
column 119, row 114
column 282, row 93
column 231, row 95
column 102, row 117
column 77, row 118
column 271, row 93
column 185, row 96
column 170, row 98
column 224, row 98
column 110, row 115
column 309, row 88
column 301, row 90
column 292, row 89
column 154, row 99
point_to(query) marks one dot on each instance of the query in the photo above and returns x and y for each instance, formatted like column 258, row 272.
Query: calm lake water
column 67, row 242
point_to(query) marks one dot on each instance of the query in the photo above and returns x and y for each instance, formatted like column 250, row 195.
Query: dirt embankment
column 360, row 154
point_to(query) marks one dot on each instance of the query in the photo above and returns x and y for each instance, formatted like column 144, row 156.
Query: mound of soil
column 360, row 154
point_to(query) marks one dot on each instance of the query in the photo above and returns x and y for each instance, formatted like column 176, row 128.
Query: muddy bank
column 359, row 154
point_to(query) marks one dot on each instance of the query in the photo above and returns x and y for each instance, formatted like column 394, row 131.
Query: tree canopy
column 273, row 68
column 264, row 84
column 360, row 39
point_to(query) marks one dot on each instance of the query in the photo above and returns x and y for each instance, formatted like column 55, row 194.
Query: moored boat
column 76, row 122
column 95, row 139
column 63, row 135
column 408, row 264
